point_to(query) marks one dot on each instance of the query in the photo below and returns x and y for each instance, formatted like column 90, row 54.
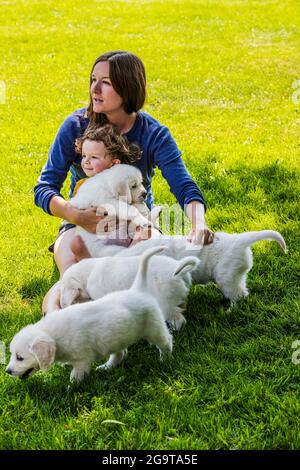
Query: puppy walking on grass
column 83, row 333
column 226, row 261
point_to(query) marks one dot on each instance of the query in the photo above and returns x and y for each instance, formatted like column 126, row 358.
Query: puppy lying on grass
column 84, row 333
column 169, row 281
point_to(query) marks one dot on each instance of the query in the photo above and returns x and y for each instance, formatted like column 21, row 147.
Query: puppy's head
column 31, row 350
column 129, row 184
column 137, row 189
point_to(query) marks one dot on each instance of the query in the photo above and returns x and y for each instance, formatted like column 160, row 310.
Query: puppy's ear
column 124, row 192
column 44, row 351
column 68, row 295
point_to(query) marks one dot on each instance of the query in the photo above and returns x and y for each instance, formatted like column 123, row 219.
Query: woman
column 117, row 94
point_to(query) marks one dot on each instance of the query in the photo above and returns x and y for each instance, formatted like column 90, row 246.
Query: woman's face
column 105, row 99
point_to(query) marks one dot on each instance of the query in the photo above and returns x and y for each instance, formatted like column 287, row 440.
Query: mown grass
column 220, row 75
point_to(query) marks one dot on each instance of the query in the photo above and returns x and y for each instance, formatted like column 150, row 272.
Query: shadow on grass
column 38, row 287
column 274, row 182
column 53, row 393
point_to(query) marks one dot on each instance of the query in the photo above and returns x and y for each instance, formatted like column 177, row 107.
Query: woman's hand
column 200, row 233
column 86, row 218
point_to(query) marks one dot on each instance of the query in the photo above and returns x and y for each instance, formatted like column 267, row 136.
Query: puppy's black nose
column 9, row 371
column 144, row 194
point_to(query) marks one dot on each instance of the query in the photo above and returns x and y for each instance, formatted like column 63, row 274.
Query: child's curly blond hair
column 116, row 145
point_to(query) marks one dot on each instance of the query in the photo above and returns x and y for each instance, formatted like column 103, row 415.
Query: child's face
column 94, row 158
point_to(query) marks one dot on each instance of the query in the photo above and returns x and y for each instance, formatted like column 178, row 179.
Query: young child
column 101, row 148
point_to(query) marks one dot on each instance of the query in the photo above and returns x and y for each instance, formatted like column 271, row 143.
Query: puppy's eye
column 19, row 358
column 134, row 186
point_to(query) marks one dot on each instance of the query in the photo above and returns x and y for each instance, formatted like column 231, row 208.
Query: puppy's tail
column 140, row 281
column 248, row 238
column 187, row 264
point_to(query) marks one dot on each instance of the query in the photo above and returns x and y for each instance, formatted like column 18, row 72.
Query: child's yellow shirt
column 78, row 184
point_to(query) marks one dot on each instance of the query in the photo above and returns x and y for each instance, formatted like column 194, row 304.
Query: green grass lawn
column 220, row 76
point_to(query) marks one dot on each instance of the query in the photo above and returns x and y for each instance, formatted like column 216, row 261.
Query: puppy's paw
column 105, row 366
column 166, row 350
column 164, row 355
column 113, row 360
column 177, row 322
column 78, row 374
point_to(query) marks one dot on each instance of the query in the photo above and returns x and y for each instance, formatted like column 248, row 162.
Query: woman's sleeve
column 167, row 157
column 54, row 173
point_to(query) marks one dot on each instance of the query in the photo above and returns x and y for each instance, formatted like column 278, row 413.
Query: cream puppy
column 119, row 191
column 169, row 281
column 226, row 261
column 84, row 333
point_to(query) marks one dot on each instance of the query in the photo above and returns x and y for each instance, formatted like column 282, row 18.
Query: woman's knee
column 63, row 255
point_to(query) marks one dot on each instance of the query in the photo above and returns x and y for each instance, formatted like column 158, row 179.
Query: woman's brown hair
column 128, row 78
column 116, row 145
